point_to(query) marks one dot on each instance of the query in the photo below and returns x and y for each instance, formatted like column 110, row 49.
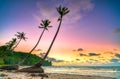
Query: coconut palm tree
column 20, row 36
column 8, row 49
column 10, row 44
column 44, row 25
column 37, row 67
column 62, row 12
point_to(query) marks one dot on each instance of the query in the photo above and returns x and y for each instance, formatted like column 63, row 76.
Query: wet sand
column 19, row 75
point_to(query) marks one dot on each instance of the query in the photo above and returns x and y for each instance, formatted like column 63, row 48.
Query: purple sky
column 91, row 24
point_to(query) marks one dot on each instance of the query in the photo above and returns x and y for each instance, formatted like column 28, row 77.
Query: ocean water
column 107, row 71
column 1, row 78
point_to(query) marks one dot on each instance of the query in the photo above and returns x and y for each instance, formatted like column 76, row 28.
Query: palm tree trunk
column 42, row 61
column 32, row 48
column 16, row 44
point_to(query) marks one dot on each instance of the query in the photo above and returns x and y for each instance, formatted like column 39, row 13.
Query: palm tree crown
column 21, row 35
column 45, row 24
column 62, row 11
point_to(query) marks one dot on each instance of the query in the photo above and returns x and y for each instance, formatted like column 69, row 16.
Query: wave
column 107, row 71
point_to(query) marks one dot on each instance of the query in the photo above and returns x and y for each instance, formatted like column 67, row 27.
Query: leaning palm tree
column 37, row 67
column 44, row 25
column 20, row 36
column 62, row 12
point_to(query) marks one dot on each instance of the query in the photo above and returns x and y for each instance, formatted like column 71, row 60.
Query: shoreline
column 22, row 75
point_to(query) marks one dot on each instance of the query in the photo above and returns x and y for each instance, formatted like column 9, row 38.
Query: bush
column 15, row 57
column 1, row 61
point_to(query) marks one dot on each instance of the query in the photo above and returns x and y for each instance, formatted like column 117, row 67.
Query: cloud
column 78, row 8
column 117, row 30
column 89, row 54
column 93, row 60
column 78, row 59
column 93, row 54
column 74, row 50
column 38, row 50
column 82, row 54
column 80, row 49
column 117, row 55
column 108, row 52
column 115, row 49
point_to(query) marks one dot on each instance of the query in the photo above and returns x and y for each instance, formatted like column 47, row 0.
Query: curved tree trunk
column 16, row 44
column 32, row 48
column 42, row 61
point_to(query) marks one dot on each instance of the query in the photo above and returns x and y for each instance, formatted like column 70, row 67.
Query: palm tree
column 11, row 47
column 20, row 36
column 44, row 25
column 37, row 67
column 10, row 44
column 7, row 49
column 62, row 12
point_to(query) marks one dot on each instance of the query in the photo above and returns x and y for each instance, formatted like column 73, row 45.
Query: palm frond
column 62, row 11
column 44, row 24
column 20, row 35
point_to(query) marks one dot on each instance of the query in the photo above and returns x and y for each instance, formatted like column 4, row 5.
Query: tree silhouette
column 37, row 67
column 43, row 25
column 10, row 44
column 62, row 12
column 3, row 51
column 20, row 36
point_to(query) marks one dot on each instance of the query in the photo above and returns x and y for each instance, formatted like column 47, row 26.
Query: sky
column 89, row 35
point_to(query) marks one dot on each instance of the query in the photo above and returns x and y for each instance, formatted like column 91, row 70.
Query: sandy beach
column 19, row 75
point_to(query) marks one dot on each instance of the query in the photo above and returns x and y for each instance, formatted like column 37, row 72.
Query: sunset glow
column 89, row 34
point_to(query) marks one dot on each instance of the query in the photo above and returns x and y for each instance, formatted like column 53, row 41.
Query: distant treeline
column 12, row 58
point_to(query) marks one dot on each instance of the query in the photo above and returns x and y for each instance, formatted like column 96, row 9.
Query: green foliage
column 16, row 57
column 1, row 61
column 11, row 43
column 3, row 51
column 46, row 63
column 10, row 60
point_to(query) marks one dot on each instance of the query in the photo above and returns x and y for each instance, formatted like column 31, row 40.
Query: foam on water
column 97, row 71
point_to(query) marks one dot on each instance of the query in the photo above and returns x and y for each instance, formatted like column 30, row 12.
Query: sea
column 106, row 71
